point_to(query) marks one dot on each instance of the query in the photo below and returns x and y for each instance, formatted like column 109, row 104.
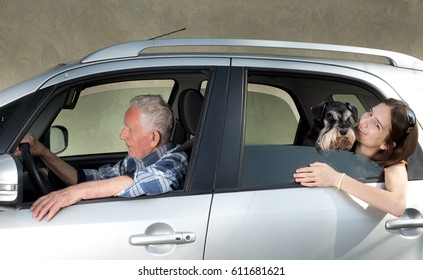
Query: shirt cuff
column 81, row 175
column 129, row 174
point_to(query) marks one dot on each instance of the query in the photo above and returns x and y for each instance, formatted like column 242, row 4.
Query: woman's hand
column 317, row 175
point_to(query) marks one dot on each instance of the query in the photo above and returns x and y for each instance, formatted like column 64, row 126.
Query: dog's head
column 336, row 121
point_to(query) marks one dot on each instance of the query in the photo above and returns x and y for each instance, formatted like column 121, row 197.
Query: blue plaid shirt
column 159, row 172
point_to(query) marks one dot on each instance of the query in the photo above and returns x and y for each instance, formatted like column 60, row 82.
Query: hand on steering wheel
column 42, row 185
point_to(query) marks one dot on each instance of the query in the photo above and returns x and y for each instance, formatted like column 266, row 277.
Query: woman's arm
column 391, row 200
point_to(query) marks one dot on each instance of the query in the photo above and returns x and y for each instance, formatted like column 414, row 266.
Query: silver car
column 249, row 108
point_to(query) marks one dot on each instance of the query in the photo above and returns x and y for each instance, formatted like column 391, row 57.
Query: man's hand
column 48, row 205
column 36, row 148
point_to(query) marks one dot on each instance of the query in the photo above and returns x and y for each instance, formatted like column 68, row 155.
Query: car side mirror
column 57, row 139
column 11, row 182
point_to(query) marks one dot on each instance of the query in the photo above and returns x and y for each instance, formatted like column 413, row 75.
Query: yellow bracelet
column 340, row 181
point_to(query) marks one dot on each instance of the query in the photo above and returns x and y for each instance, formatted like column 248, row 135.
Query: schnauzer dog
column 333, row 127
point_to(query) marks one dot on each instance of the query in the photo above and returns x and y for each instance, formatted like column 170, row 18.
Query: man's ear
column 155, row 138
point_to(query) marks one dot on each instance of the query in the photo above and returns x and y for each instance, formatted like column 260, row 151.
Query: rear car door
column 260, row 212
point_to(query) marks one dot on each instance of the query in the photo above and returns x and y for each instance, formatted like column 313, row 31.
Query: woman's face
column 374, row 127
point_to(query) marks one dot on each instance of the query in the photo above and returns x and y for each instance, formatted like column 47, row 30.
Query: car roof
column 216, row 47
column 138, row 48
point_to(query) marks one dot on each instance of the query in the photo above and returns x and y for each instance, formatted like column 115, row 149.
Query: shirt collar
column 156, row 155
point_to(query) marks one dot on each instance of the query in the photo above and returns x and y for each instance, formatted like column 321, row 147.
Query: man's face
column 140, row 143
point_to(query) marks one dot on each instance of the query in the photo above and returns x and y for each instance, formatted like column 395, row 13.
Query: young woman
column 387, row 134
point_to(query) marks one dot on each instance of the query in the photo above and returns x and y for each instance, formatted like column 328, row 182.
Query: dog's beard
column 331, row 139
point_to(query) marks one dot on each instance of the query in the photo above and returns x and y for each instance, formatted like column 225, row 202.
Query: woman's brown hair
column 403, row 138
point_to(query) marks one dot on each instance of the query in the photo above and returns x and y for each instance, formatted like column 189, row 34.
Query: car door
column 259, row 212
column 157, row 228
column 168, row 226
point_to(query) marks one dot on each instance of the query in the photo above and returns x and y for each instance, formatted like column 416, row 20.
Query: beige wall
column 36, row 35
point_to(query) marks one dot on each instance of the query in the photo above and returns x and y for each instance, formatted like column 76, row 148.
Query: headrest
column 189, row 108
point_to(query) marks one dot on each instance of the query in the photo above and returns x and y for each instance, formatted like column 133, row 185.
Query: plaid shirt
column 159, row 172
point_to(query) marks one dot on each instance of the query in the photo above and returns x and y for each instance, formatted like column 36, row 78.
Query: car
column 249, row 110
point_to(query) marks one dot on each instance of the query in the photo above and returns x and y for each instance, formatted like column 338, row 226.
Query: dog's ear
column 319, row 111
column 353, row 110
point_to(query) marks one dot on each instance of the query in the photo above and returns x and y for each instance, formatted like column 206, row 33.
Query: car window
column 94, row 125
column 203, row 87
column 352, row 99
column 278, row 116
column 271, row 116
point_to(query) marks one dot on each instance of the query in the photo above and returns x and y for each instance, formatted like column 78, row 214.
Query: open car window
column 277, row 117
column 94, row 125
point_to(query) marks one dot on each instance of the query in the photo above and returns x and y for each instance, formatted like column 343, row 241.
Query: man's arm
column 48, row 205
column 63, row 170
column 165, row 175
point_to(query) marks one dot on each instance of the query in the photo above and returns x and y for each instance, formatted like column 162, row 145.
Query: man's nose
column 123, row 134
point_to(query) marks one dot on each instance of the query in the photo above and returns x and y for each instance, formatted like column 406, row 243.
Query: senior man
column 151, row 167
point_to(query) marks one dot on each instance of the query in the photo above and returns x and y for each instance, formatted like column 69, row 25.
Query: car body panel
column 301, row 223
column 103, row 230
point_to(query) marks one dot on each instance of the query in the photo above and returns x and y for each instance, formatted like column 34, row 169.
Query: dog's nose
column 343, row 132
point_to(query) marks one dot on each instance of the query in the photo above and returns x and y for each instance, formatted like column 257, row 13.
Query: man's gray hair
column 156, row 115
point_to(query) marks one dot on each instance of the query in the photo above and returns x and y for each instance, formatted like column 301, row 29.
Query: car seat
column 190, row 102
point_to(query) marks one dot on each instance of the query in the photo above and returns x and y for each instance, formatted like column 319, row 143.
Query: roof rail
column 134, row 49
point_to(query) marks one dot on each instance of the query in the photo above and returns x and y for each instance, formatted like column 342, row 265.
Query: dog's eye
column 329, row 116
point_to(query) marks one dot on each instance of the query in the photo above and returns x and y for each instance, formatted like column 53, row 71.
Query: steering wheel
column 42, row 184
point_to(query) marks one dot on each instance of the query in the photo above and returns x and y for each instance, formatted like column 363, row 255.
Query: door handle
column 401, row 224
column 409, row 225
column 161, row 239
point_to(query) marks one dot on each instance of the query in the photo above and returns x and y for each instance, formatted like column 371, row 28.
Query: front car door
column 169, row 226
